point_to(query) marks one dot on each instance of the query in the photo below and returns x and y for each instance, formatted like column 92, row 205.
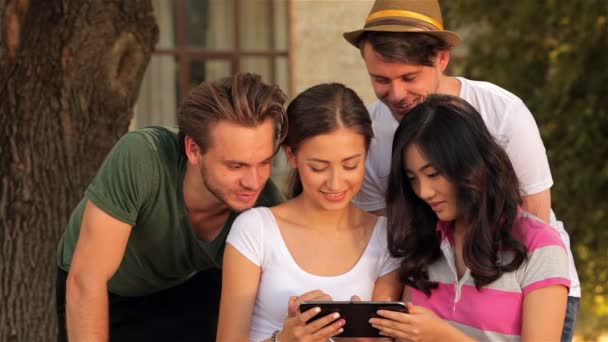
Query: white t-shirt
column 256, row 235
column 510, row 123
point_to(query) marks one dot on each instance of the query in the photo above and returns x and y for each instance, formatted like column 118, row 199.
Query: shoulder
column 536, row 234
column 381, row 231
column 249, row 224
column 152, row 137
column 499, row 108
column 145, row 142
column 253, row 216
column 481, row 88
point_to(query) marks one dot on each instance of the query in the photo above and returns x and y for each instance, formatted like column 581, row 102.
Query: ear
column 291, row 157
column 442, row 61
column 193, row 151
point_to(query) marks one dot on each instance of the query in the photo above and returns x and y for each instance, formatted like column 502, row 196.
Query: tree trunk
column 70, row 72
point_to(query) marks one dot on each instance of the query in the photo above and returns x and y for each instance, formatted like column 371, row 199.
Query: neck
column 197, row 198
column 449, row 85
column 325, row 220
column 460, row 227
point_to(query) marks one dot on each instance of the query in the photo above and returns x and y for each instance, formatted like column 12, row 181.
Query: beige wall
column 319, row 52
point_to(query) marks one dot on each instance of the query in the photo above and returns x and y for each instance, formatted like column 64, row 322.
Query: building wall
column 318, row 51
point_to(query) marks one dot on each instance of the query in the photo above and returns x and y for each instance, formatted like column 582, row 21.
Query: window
column 208, row 39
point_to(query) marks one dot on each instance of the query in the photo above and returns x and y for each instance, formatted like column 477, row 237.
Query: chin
column 446, row 218
column 238, row 205
column 327, row 205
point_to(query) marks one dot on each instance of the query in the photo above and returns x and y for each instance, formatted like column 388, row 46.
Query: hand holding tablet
column 357, row 314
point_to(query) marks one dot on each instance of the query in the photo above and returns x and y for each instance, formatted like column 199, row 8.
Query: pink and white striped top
column 495, row 311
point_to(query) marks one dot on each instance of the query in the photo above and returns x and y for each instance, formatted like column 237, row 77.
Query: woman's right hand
column 295, row 327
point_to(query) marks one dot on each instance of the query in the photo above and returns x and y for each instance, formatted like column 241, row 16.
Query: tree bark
column 70, row 72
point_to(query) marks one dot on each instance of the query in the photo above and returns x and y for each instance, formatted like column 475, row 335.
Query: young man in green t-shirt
column 141, row 255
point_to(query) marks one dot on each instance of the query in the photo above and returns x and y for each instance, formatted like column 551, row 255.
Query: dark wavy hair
column 405, row 47
column 453, row 137
column 323, row 109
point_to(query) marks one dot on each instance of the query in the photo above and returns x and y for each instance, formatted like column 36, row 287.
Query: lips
column 437, row 205
column 334, row 196
column 247, row 196
column 402, row 110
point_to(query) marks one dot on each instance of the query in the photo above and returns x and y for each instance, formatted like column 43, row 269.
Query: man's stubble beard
column 215, row 191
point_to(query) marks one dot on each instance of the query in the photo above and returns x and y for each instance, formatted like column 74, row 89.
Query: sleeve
column 247, row 235
column 126, row 179
column 388, row 263
column 370, row 197
column 547, row 262
column 526, row 150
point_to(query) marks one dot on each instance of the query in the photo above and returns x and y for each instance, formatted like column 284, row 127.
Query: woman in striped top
column 476, row 266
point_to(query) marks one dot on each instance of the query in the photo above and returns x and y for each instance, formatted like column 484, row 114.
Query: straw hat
column 405, row 16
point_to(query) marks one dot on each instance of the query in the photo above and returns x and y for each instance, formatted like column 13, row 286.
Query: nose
column 252, row 179
column 396, row 92
column 426, row 191
column 334, row 180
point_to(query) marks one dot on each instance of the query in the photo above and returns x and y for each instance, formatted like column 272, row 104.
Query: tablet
column 356, row 314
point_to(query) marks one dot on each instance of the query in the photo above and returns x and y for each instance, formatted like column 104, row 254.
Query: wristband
column 275, row 336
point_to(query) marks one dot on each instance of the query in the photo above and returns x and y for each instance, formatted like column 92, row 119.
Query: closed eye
column 235, row 166
column 381, row 80
column 314, row 169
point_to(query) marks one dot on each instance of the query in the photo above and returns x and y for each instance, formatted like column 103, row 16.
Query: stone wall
column 319, row 52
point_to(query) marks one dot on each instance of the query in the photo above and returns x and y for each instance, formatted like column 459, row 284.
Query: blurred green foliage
column 553, row 54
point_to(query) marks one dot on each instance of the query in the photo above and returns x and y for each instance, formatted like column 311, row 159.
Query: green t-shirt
column 140, row 183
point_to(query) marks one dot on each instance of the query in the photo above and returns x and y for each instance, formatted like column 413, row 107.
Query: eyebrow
column 230, row 161
column 327, row 162
column 402, row 75
column 422, row 168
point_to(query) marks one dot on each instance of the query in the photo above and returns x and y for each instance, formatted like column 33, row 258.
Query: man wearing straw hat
column 406, row 51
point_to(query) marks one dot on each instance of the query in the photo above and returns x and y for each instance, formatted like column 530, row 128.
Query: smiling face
column 331, row 167
column 401, row 86
column 430, row 185
column 236, row 166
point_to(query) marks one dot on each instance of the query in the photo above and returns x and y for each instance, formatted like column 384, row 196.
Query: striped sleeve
column 547, row 257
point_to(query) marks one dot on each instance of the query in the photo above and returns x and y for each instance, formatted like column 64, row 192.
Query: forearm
column 451, row 333
column 87, row 310
column 538, row 204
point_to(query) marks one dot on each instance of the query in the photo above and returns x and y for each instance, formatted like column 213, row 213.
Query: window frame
column 184, row 54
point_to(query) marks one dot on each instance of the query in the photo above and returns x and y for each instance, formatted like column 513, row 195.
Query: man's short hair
column 405, row 47
column 242, row 99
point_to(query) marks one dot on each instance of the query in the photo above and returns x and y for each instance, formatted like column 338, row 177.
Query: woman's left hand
column 419, row 324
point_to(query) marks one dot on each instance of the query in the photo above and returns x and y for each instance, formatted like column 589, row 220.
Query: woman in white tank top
column 316, row 246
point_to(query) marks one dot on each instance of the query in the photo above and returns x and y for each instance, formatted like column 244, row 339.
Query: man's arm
column 539, row 204
column 99, row 251
column 529, row 159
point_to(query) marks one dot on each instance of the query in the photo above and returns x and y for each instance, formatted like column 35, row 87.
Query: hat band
column 417, row 24
column 404, row 14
